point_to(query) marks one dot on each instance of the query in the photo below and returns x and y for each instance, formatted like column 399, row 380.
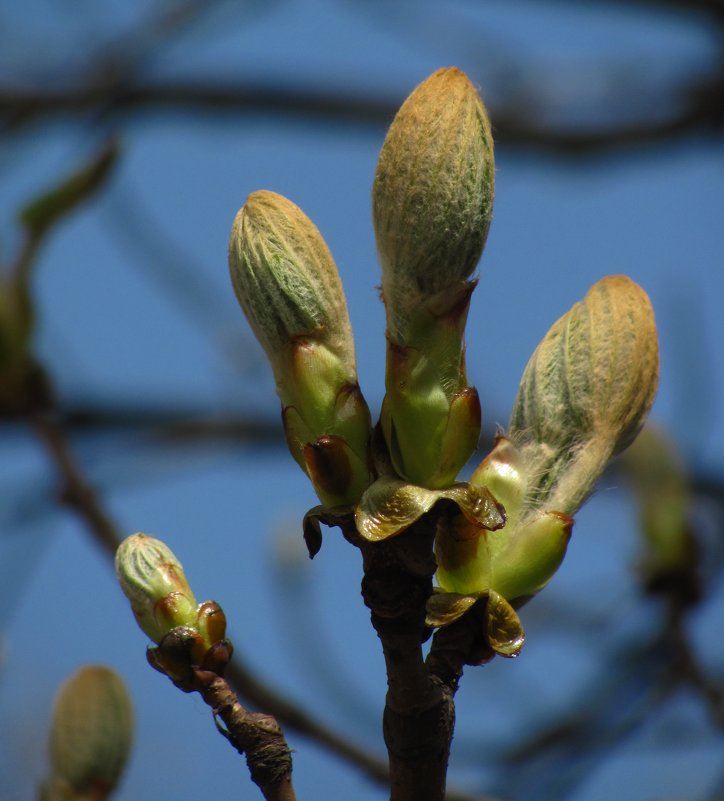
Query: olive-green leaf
column 390, row 505
column 505, row 631
column 45, row 210
column 446, row 607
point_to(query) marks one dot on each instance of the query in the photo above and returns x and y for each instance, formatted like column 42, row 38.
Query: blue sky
column 117, row 323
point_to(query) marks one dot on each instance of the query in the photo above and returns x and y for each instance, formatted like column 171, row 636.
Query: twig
column 254, row 734
column 419, row 714
column 291, row 715
column 78, row 494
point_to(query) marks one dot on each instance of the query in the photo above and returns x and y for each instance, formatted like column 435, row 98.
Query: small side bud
column 432, row 203
column 288, row 287
column 91, row 735
column 163, row 604
column 586, row 392
column 154, row 582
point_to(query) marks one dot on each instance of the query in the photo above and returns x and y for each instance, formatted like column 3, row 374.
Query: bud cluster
column 583, row 397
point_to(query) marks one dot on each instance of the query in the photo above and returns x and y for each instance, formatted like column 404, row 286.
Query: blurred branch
column 638, row 676
column 712, row 8
column 686, row 668
column 76, row 492
column 41, row 214
column 189, row 427
column 697, row 108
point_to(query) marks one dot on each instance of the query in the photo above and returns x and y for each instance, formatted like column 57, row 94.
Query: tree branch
column 695, row 109
column 419, row 716
column 254, row 734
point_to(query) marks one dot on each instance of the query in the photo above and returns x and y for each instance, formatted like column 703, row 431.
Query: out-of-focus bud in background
column 657, row 475
column 90, row 737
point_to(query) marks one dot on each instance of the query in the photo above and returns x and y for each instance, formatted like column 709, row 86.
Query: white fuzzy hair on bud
column 586, row 392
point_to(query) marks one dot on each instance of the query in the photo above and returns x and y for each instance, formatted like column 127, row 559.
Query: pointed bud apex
column 586, row 391
column 433, row 196
column 91, row 734
column 432, row 202
column 154, row 582
column 288, row 286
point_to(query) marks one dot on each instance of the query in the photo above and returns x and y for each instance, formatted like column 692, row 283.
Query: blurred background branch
column 80, row 77
column 114, row 83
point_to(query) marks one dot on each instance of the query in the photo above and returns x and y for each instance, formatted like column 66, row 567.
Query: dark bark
column 419, row 714
column 254, row 734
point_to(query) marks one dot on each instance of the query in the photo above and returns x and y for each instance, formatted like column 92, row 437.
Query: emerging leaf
column 389, row 506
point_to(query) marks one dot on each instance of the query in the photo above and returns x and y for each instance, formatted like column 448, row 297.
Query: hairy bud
column 432, row 197
column 153, row 580
column 432, row 204
column 586, row 392
column 289, row 289
column 583, row 397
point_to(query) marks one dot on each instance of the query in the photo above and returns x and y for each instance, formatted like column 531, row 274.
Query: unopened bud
column 433, row 197
column 432, row 203
column 91, row 735
column 288, row 287
column 153, row 580
column 586, row 392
